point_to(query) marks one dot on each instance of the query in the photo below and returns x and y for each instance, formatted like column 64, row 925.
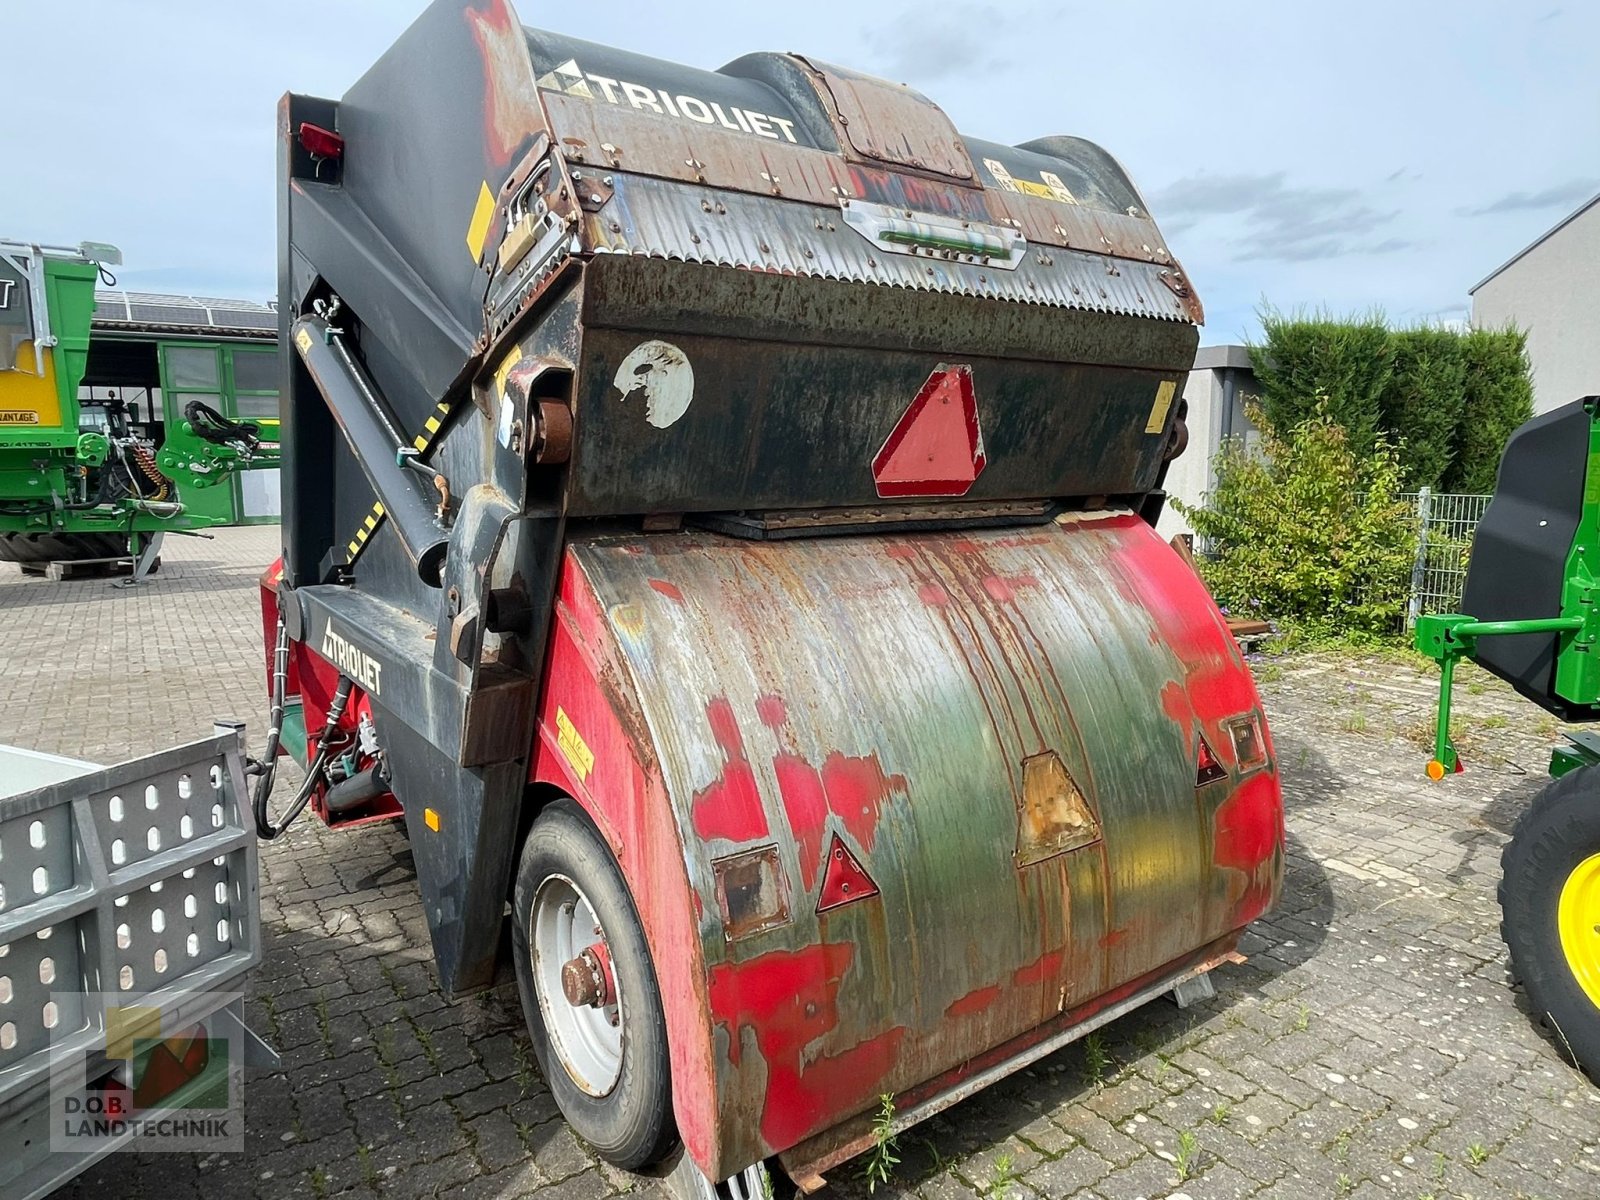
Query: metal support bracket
column 1449, row 637
column 144, row 560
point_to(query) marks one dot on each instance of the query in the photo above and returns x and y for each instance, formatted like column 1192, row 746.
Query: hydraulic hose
column 268, row 766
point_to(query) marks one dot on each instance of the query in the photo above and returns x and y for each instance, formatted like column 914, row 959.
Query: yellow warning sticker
column 303, row 340
column 430, row 818
column 504, row 369
column 1158, row 410
column 573, row 745
column 482, row 212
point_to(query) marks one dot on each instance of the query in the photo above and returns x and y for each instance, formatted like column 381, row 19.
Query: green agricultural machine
column 1532, row 585
column 79, row 482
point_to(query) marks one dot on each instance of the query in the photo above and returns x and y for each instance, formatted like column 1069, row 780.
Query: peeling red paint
column 511, row 108
column 852, row 789
column 1175, row 703
column 725, row 727
column 1003, row 588
column 856, row 788
column 1046, row 967
column 670, row 590
column 975, row 1001
column 731, row 807
column 805, row 802
column 772, row 711
column 789, row 1000
column 1248, row 834
column 900, row 550
column 932, row 593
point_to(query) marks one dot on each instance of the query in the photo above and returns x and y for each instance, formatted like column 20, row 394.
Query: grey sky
column 1334, row 155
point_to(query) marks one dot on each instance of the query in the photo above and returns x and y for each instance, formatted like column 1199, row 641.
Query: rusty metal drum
column 926, row 797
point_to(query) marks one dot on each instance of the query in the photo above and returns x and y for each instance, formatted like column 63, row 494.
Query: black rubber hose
column 211, row 425
column 317, row 771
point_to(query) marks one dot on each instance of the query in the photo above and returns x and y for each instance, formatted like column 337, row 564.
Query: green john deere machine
column 82, row 486
column 1533, row 589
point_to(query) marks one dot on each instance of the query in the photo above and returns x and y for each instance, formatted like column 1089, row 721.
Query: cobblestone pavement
column 1372, row 1045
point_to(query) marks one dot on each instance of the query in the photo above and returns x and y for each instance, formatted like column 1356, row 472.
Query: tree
column 1499, row 397
column 1311, row 363
column 1422, row 406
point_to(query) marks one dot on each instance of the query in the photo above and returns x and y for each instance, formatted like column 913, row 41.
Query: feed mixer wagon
column 718, row 519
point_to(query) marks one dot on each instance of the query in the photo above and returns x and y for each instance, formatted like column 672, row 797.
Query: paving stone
column 1075, row 1170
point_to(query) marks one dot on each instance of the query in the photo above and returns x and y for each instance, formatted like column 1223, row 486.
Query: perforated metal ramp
column 137, row 880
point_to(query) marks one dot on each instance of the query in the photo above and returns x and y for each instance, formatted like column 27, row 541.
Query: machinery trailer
column 719, row 521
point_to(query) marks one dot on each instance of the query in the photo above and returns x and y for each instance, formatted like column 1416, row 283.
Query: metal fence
column 1445, row 523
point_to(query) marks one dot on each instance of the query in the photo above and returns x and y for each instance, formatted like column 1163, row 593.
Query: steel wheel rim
column 1578, row 920
column 588, row 1041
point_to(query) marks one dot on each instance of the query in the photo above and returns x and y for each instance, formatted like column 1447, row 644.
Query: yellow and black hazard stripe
column 430, row 428
column 359, row 542
column 423, row 443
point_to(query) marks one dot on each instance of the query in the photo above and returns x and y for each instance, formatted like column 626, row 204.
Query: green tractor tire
column 1550, row 908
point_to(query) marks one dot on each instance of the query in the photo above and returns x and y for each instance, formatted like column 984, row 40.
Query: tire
column 625, row 1116
column 61, row 547
column 1555, row 841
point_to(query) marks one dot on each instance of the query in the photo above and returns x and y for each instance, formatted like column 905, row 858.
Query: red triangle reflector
column 1210, row 770
column 936, row 448
column 843, row 878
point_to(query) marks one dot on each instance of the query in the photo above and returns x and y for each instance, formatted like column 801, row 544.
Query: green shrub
column 1445, row 400
column 1423, row 404
column 1307, row 530
column 1318, row 362
column 1499, row 397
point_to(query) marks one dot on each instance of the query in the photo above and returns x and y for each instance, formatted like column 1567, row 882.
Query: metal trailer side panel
column 999, row 729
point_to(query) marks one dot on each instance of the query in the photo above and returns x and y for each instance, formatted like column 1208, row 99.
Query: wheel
column 1550, row 904
column 60, row 547
column 589, row 991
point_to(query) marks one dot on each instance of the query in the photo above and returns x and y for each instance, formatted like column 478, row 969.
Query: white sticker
column 508, row 418
column 661, row 373
column 1001, row 175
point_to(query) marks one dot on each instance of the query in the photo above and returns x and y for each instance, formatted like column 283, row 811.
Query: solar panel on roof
column 157, row 312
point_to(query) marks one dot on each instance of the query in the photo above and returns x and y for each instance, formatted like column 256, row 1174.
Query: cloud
column 922, row 45
column 1283, row 223
column 1562, row 195
column 1211, row 195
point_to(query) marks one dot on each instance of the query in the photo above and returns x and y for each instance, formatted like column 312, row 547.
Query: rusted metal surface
column 856, row 1136
column 733, row 421
column 726, row 162
column 762, row 234
column 890, row 122
column 896, row 806
column 890, row 692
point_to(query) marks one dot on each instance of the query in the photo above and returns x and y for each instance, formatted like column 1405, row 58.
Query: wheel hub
column 580, row 999
column 586, row 980
column 1578, row 920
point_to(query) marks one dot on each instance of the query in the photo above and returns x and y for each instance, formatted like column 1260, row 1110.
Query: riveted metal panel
column 891, row 122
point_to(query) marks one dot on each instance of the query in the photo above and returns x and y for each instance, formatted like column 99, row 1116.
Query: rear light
column 320, row 143
column 1249, row 747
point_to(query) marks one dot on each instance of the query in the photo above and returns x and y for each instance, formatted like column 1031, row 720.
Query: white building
column 1216, row 389
column 1552, row 289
